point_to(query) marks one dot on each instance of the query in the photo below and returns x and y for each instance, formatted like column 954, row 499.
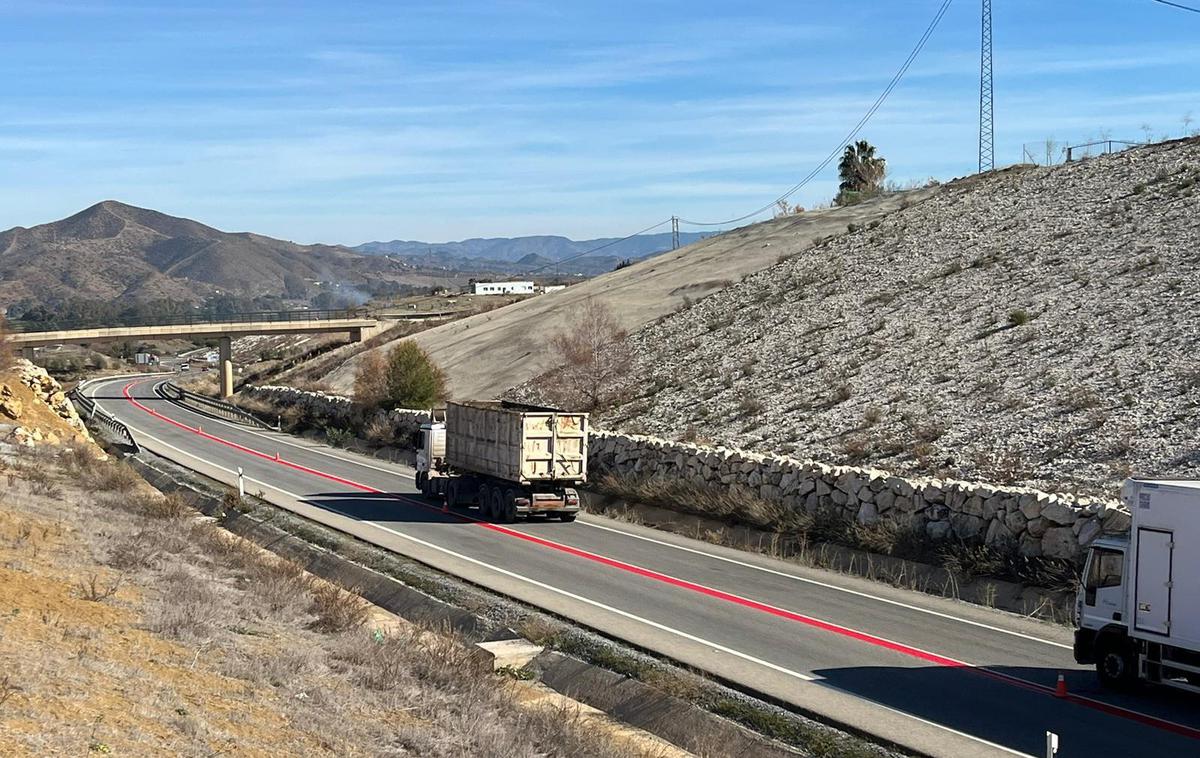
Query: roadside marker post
column 1051, row 744
column 241, row 484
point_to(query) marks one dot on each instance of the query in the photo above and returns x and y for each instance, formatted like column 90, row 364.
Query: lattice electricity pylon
column 987, row 130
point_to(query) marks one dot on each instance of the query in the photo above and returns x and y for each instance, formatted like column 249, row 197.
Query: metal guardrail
column 195, row 320
column 90, row 411
column 210, row 406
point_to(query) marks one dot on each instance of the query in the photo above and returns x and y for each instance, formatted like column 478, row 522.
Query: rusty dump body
column 517, row 443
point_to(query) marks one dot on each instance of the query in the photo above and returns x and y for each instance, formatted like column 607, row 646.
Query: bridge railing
column 91, row 412
column 193, row 319
column 210, row 406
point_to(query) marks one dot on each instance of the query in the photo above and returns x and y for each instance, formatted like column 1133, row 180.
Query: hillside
column 491, row 352
column 1032, row 325
column 112, row 250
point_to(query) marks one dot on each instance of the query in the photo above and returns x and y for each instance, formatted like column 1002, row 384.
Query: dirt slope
column 1036, row 325
column 489, row 353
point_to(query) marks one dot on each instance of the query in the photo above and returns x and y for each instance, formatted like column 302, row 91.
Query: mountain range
column 529, row 250
column 113, row 250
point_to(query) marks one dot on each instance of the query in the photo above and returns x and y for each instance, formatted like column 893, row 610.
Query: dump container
column 516, row 443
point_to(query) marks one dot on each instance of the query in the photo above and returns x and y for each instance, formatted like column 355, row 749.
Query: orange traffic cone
column 1060, row 689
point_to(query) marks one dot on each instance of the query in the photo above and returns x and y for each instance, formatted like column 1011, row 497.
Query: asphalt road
column 933, row 676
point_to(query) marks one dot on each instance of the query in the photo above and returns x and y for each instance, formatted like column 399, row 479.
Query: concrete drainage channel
column 679, row 706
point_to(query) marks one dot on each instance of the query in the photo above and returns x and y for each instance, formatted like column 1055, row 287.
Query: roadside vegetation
column 131, row 625
column 403, row 377
column 593, row 360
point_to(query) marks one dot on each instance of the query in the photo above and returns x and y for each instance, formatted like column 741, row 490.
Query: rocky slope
column 486, row 354
column 1034, row 326
column 34, row 410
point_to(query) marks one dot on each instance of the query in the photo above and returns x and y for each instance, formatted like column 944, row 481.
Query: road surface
column 933, row 676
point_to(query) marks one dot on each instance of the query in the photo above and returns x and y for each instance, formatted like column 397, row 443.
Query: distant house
column 552, row 287
column 503, row 288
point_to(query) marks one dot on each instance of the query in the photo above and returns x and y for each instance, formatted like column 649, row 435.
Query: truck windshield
column 1105, row 569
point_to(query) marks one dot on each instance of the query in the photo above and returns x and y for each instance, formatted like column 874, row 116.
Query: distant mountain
column 113, row 250
column 519, row 249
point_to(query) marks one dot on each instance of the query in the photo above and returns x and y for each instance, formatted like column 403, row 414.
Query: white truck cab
column 1137, row 612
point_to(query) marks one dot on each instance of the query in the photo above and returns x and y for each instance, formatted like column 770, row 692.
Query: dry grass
column 137, row 628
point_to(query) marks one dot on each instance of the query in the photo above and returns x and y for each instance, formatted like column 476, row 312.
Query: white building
column 553, row 287
column 503, row 288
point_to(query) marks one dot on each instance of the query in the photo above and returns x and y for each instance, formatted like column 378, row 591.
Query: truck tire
column 504, row 508
column 485, row 502
column 423, row 482
column 1116, row 663
column 452, row 493
column 567, row 516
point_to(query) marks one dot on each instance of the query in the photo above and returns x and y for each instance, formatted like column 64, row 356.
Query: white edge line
column 815, row 582
column 607, row 608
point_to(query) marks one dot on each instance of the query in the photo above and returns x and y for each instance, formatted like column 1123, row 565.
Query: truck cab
column 1137, row 611
column 431, row 451
column 1101, row 636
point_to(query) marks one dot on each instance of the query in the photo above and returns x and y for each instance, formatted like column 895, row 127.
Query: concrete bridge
column 357, row 324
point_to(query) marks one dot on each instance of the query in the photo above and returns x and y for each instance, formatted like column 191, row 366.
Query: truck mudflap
column 1085, row 646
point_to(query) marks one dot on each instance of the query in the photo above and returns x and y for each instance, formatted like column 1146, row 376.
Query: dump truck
column 507, row 459
column 1137, row 613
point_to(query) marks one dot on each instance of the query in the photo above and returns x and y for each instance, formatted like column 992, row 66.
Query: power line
column 610, row 243
column 1177, row 5
column 937, row 18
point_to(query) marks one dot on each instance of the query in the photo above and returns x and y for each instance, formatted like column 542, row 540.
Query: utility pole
column 674, row 232
column 987, row 130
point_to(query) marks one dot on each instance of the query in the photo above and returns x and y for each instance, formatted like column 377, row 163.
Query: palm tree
column 861, row 172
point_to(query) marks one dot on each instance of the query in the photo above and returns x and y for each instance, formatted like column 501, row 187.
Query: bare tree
column 594, row 358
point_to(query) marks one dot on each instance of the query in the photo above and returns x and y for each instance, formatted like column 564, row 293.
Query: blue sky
column 352, row 121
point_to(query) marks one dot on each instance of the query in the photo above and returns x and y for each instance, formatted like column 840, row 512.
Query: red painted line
column 913, row 652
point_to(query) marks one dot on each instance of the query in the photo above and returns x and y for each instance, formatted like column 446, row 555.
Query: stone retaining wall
column 1039, row 523
column 336, row 410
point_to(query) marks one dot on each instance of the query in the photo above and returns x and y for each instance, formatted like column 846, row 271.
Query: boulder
column 1060, row 513
column 1060, row 542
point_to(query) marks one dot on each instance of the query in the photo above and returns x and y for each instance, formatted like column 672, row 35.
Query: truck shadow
column 983, row 702
column 399, row 508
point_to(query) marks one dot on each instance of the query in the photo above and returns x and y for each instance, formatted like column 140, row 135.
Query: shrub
column 337, row 610
column 1019, row 317
column 872, row 415
column 750, row 406
column 405, row 378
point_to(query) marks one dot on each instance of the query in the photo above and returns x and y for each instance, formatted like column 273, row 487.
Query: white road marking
column 817, row 583
column 596, row 604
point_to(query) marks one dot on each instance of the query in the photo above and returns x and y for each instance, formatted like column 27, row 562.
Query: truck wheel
column 567, row 516
column 1116, row 664
column 504, row 509
column 423, row 482
column 485, row 502
column 452, row 493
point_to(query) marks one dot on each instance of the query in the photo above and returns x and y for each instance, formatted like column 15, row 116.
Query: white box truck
column 510, row 460
column 1138, row 610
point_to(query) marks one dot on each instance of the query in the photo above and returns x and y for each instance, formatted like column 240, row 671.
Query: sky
column 344, row 122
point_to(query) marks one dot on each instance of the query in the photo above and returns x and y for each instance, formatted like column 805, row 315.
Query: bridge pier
column 225, row 346
column 27, row 353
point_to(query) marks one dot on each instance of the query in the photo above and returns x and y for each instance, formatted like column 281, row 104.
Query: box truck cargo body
column 508, row 459
column 1138, row 611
